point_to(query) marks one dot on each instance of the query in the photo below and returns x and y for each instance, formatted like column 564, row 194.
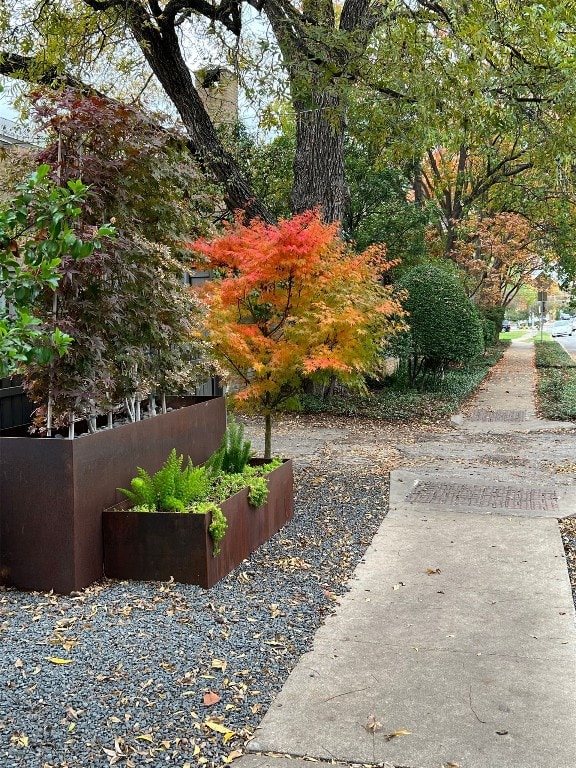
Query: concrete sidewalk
column 456, row 644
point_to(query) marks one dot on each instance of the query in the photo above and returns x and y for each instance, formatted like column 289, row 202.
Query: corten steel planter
column 150, row 546
column 52, row 492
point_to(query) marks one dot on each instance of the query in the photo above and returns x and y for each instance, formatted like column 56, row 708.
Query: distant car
column 561, row 328
column 506, row 327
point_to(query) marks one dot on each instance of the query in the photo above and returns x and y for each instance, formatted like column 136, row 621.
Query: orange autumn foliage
column 291, row 301
column 498, row 254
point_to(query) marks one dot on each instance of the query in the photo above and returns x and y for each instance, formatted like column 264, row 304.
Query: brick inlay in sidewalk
column 481, row 414
column 484, row 496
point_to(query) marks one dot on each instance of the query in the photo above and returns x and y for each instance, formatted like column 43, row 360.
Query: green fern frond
column 165, row 479
column 234, row 452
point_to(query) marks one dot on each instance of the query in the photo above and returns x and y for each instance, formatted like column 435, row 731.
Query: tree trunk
column 319, row 177
column 268, row 436
column 165, row 59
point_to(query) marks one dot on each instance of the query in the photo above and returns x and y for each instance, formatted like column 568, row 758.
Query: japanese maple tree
column 292, row 301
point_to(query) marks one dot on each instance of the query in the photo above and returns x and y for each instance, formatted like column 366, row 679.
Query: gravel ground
column 143, row 673
column 139, row 674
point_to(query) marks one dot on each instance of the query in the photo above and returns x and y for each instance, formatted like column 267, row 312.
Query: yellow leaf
column 146, row 737
column 56, row 660
column 228, row 736
column 196, row 750
column 390, row 736
column 219, row 728
column 20, row 739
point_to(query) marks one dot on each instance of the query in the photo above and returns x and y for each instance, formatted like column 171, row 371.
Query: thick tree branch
column 32, row 69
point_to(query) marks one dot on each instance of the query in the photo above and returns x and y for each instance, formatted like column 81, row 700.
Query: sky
column 6, row 109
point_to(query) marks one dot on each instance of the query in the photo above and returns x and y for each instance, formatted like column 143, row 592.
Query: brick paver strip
column 484, row 496
column 481, row 414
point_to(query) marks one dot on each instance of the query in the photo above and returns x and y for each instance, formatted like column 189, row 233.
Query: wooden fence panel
column 15, row 409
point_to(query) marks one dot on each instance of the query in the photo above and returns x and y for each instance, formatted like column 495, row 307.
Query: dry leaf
column 20, row 740
column 390, row 736
column 74, row 714
column 373, row 725
column 18, row 663
column 56, row 660
column 211, row 698
column 215, row 724
column 146, row 737
column 431, row 571
column 219, row 664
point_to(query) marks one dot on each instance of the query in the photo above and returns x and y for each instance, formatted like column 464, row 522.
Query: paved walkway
column 456, row 644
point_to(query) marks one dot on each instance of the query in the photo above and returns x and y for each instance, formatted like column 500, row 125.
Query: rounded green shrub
column 445, row 326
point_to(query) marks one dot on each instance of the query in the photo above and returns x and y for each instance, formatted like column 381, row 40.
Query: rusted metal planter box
column 52, row 492
column 149, row 546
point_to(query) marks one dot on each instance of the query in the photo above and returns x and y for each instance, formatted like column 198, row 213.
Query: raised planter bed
column 160, row 545
column 53, row 491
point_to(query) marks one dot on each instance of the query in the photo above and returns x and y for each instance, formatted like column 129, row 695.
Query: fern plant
column 172, row 488
column 234, row 453
column 200, row 489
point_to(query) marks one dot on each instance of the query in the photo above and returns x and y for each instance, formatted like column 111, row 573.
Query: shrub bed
column 550, row 354
column 556, row 387
column 395, row 400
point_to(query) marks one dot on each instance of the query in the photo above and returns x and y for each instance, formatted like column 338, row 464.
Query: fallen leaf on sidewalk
column 373, row 725
column 390, row 736
column 431, row 571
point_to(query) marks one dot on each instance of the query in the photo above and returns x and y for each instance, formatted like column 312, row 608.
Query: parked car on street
column 561, row 328
column 506, row 326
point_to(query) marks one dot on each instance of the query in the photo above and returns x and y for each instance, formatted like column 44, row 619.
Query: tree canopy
column 289, row 302
column 483, row 88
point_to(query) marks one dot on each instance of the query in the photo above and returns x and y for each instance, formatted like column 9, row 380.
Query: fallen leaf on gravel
column 56, row 660
column 211, row 698
column 18, row 664
column 219, row 664
column 116, row 754
column 232, row 756
column 72, row 713
column 146, row 737
column 19, row 739
column 215, row 724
